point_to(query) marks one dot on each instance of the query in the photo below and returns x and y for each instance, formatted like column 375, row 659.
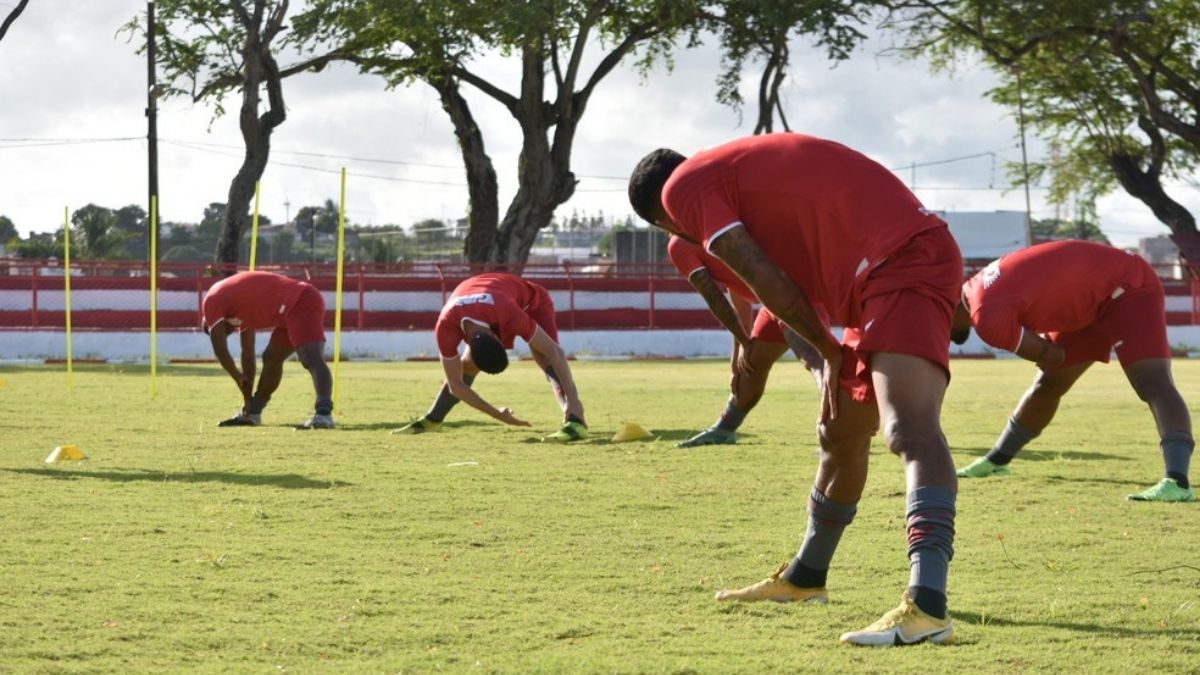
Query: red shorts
column 542, row 313
column 767, row 328
column 304, row 322
column 1135, row 324
column 907, row 305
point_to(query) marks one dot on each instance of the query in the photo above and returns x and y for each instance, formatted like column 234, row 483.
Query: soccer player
column 488, row 312
column 1065, row 305
column 808, row 223
column 295, row 311
column 754, row 354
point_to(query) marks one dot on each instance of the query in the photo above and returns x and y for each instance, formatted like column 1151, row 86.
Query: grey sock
column 445, row 401
column 731, row 418
column 827, row 520
column 258, row 403
column 1012, row 439
column 930, row 546
column 1177, row 449
column 324, row 406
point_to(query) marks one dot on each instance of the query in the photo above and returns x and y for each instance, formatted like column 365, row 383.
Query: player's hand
column 506, row 416
column 829, row 387
column 744, row 365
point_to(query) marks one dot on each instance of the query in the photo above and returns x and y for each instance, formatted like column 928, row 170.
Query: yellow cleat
column 904, row 625
column 776, row 589
column 418, row 426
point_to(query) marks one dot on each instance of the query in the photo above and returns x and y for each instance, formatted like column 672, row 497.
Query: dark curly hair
column 488, row 353
column 648, row 179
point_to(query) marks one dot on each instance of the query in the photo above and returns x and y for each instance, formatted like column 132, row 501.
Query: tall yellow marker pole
column 254, row 228
column 67, row 299
column 337, row 313
column 154, row 296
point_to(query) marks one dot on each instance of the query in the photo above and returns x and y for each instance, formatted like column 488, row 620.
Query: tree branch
column 506, row 99
column 12, row 16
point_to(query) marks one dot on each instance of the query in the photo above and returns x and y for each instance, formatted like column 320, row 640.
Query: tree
column 1109, row 81
column 438, row 43
column 94, row 233
column 8, row 230
column 134, row 225
column 12, row 16
column 40, row 246
column 211, row 47
column 430, row 231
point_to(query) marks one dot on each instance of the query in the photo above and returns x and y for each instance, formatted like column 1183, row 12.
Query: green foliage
column 1051, row 228
column 179, row 546
column 40, row 246
column 94, row 233
column 8, row 230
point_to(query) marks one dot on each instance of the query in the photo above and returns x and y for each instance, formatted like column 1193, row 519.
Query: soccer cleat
column 571, row 431
column 904, row 625
column 418, row 426
column 983, row 468
column 242, row 420
column 710, row 436
column 776, row 589
column 1166, row 490
column 318, row 422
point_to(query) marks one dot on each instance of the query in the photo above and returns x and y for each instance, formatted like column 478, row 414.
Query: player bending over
column 488, row 312
column 295, row 311
column 1065, row 305
column 809, row 223
column 754, row 354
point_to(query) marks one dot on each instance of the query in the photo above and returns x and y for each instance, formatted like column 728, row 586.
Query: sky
column 73, row 131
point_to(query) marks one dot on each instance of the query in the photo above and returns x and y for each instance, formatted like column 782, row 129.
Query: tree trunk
column 483, row 192
column 1147, row 187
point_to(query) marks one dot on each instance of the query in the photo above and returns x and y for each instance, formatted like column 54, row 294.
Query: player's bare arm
column 453, row 369
column 719, row 305
column 218, row 335
column 249, row 365
column 787, row 301
column 1041, row 351
column 740, row 361
column 554, row 355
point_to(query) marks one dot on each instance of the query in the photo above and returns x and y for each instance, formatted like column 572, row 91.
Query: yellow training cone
column 631, row 431
column 65, row 453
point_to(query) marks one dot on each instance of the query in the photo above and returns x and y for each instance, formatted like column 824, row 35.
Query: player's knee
column 1153, row 386
column 912, row 438
column 310, row 357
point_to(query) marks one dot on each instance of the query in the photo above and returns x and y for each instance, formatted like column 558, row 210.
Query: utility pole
column 151, row 108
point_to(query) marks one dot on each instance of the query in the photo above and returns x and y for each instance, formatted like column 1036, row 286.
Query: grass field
column 181, row 546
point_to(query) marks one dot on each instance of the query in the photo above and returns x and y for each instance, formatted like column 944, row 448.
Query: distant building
column 987, row 235
column 1163, row 254
column 640, row 245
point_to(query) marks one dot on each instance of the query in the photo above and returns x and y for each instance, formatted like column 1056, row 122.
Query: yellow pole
column 153, row 296
column 67, row 299
column 337, row 313
column 254, row 228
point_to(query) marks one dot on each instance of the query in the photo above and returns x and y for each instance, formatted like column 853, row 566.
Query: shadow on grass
column 1098, row 630
column 289, row 481
column 389, row 426
column 1132, row 485
column 1028, row 455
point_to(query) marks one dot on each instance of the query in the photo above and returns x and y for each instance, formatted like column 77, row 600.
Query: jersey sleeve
column 685, row 256
column 700, row 205
column 448, row 335
column 214, row 309
column 999, row 326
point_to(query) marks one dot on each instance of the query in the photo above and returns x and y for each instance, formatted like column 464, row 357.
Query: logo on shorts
column 475, row 299
column 234, row 321
column 991, row 273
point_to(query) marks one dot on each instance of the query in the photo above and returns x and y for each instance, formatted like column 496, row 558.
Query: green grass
column 181, row 546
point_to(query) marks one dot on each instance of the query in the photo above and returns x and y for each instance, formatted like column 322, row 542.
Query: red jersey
column 251, row 300
column 689, row 257
column 495, row 299
column 1061, row 286
column 823, row 213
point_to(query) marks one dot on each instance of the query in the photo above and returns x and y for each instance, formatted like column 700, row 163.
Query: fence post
column 200, row 297
column 361, row 297
column 442, row 279
column 33, row 285
column 570, row 290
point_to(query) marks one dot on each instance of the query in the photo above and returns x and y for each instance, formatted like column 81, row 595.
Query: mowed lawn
column 182, row 546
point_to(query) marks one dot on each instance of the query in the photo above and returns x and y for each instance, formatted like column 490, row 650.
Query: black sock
column 576, row 419
column 803, row 576
column 324, row 406
column 929, row 601
column 731, row 417
column 1181, row 479
column 257, row 403
column 445, row 401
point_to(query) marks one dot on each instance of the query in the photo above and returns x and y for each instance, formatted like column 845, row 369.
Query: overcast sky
column 66, row 74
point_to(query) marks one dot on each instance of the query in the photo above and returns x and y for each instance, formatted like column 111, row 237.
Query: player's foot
column 710, row 436
column 1167, row 490
column 905, row 625
column 571, row 431
column 776, row 589
column 318, row 422
column 983, row 468
column 418, row 426
column 242, row 420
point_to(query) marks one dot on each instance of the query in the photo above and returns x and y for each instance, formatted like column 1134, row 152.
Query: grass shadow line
column 288, row 481
column 976, row 618
column 1028, row 455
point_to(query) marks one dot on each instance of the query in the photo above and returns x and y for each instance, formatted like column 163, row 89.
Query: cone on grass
column 631, row 431
column 65, row 453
